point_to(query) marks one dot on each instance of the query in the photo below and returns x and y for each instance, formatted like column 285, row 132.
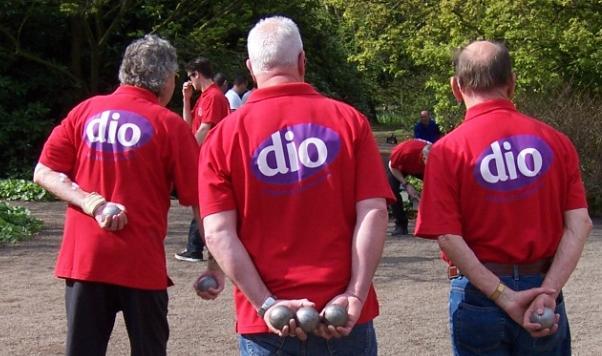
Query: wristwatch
column 267, row 303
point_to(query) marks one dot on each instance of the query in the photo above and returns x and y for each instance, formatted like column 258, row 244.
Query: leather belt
column 508, row 270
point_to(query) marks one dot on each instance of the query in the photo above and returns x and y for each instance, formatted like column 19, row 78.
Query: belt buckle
column 453, row 272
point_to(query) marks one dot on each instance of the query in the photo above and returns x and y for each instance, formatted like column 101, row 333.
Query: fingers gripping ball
column 335, row 315
column 308, row 318
column 280, row 316
column 110, row 210
column 205, row 283
column 546, row 319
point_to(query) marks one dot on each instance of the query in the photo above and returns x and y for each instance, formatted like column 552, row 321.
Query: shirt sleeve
column 439, row 210
column 216, row 191
column 183, row 158
column 370, row 178
column 60, row 151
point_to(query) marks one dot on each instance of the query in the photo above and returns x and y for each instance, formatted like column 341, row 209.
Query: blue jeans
column 479, row 327
column 360, row 342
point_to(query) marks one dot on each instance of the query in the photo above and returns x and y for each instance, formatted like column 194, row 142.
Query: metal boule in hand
column 546, row 319
column 335, row 315
column 205, row 283
column 280, row 316
column 110, row 210
column 308, row 318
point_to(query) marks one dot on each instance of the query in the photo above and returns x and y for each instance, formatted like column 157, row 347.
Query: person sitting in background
column 427, row 128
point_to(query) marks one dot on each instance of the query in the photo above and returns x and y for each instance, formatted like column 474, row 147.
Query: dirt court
column 410, row 282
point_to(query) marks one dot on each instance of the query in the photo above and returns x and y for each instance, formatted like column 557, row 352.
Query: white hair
column 274, row 42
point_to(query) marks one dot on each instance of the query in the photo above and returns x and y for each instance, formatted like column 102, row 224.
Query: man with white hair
column 294, row 205
column 123, row 151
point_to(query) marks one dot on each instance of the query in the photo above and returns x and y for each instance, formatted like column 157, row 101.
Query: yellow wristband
column 92, row 201
column 498, row 291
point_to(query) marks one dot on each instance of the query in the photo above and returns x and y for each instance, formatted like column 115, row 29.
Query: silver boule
column 205, row 283
column 308, row 318
column 546, row 320
column 280, row 316
column 110, row 210
column 335, row 315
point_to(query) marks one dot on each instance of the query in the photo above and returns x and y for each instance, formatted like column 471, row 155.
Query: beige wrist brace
column 93, row 200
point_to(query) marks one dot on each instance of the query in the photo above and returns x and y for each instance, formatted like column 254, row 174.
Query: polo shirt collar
column 488, row 106
column 212, row 86
column 286, row 89
column 146, row 94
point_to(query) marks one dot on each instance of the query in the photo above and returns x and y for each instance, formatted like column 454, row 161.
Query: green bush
column 577, row 114
column 17, row 224
column 21, row 189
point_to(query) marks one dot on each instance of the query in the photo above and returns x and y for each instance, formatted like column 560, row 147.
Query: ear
column 301, row 61
column 250, row 68
column 511, row 86
column 456, row 90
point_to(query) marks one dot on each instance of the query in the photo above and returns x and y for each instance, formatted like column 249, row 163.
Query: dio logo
column 295, row 153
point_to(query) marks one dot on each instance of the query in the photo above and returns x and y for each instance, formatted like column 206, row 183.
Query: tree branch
column 125, row 4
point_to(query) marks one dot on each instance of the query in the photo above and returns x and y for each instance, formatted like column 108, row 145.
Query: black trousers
column 399, row 214
column 195, row 241
column 91, row 311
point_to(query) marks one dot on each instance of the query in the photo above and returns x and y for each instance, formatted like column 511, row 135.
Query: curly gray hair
column 148, row 62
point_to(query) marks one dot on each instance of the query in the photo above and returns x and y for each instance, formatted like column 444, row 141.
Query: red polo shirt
column 502, row 181
column 132, row 151
column 210, row 108
column 293, row 164
column 407, row 157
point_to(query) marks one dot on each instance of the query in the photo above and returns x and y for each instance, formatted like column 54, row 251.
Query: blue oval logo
column 295, row 153
column 513, row 162
column 117, row 131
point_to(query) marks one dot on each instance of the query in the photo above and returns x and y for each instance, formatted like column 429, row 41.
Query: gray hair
column 483, row 66
column 274, row 42
column 148, row 62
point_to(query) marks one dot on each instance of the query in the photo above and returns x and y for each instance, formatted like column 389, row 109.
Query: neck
column 269, row 79
column 205, row 83
column 472, row 99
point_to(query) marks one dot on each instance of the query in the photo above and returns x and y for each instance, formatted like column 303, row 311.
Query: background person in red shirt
column 121, row 149
column 210, row 108
column 407, row 159
column 293, row 197
column 503, row 196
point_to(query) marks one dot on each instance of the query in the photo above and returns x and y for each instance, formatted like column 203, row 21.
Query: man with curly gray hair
column 115, row 159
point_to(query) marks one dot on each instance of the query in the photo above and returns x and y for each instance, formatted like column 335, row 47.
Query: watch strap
column 267, row 303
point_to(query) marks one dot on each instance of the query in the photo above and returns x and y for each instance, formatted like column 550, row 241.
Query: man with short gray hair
column 503, row 196
column 115, row 159
column 293, row 196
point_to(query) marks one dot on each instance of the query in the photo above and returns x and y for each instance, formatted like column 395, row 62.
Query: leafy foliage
column 21, row 189
column 54, row 53
column 16, row 224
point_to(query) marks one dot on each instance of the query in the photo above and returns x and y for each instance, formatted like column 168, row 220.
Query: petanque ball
column 335, row 315
column 110, row 210
column 205, row 283
column 308, row 318
column 280, row 316
column 546, row 320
